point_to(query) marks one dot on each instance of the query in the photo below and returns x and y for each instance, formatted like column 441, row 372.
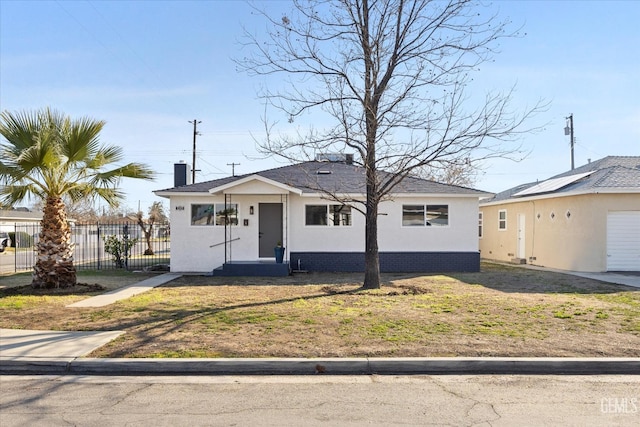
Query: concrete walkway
column 126, row 292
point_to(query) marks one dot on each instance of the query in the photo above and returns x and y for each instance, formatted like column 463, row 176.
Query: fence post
column 98, row 243
column 125, row 236
column 15, row 247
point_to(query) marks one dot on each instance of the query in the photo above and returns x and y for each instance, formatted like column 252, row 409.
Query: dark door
column 269, row 228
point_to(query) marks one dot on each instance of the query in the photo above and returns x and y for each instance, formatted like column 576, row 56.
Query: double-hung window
column 214, row 214
column 502, row 219
column 332, row 215
column 425, row 215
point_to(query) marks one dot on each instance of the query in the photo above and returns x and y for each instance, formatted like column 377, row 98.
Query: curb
column 327, row 366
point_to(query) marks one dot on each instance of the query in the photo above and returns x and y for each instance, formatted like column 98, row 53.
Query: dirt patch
column 501, row 311
column 78, row 289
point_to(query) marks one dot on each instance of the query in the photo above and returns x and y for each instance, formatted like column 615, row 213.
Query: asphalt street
column 319, row 400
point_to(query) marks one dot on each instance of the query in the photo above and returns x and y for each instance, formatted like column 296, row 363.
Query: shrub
column 119, row 249
column 21, row 239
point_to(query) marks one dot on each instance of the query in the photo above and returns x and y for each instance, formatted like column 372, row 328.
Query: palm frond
column 13, row 194
column 104, row 156
column 48, row 154
column 131, row 170
column 81, row 140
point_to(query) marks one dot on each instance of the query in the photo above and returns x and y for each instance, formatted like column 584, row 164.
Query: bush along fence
column 101, row 246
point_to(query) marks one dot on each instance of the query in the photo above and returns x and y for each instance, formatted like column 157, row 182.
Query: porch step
column 252, row 268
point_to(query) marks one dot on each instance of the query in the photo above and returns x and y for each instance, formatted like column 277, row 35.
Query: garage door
column 623, row 241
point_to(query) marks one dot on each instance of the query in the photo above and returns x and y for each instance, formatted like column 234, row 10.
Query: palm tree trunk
column 54, row 267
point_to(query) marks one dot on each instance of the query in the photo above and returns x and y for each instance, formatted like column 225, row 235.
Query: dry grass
column 502, row 311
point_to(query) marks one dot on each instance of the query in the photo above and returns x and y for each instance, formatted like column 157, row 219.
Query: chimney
column 181, row 174
column 348, row 159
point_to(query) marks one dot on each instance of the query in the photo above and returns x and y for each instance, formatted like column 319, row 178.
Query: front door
column 269, row 228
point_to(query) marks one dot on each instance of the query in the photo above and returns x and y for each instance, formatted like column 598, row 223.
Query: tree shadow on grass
column 162, row 321
column 520, row 280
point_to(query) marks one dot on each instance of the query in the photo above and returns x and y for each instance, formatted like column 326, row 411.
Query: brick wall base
column 390, row 262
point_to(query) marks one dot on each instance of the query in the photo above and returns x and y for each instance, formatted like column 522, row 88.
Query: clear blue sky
column 147, row 68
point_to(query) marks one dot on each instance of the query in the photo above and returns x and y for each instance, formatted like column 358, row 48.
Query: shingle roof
column 330, row 176
column 612, row 172
column 15, row 214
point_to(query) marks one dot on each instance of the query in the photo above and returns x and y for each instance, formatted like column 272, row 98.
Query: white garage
column 623, row 241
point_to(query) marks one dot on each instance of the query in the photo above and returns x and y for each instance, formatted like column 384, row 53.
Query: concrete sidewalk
column 18, row 343
column 60, row 353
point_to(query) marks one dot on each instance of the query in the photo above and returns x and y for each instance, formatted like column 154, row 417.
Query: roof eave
column 255, row 177
column 167, row 194
column 478, row 195
column 603, row 190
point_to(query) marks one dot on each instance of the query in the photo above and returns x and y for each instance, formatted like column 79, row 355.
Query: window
column 226, row 214
column 316, row 215
column 327, row 215
column 437, row 215
column 502, row 220
column 421, row 215
column 412, row 215
column 217, row 214
column 341, row 215
column 480, row 225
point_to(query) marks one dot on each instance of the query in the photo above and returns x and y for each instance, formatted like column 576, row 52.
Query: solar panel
column 552, row 184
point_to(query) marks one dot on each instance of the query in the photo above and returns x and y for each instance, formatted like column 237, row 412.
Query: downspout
column 225, row 227
column 284, row 199
column 533, row 234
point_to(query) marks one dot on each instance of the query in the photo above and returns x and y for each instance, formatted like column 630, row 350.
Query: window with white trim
column 333, row 215
column 214, row 214
column 480, row 224
column 425, row 215
column 502, row 219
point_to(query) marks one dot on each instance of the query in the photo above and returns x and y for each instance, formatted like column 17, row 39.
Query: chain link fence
column 97, row 246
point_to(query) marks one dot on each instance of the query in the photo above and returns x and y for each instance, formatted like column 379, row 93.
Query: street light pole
column 568, row 130
column 193, row 165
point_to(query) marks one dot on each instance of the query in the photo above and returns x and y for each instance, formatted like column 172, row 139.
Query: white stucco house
column 10, row 218
column 231, row 225
column 586, row 219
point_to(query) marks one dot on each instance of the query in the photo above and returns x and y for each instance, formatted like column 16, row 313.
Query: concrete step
column 252, row 268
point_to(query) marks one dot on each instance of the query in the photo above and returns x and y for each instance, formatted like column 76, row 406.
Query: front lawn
column 502, row 311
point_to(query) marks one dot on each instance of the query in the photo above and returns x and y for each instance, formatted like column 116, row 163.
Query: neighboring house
column 9, row 218
column 586, row 219
column 425, row 227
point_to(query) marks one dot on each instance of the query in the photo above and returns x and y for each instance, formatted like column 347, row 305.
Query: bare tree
column 82, row 211
column 393, row 78
column 463, row 175
column 156, row 215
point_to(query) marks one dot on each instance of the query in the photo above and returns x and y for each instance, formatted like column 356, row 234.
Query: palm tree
column 48, row 155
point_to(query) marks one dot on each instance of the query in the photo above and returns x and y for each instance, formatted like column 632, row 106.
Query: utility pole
column 193, row 165
column 233, row 168
column 568, row 130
